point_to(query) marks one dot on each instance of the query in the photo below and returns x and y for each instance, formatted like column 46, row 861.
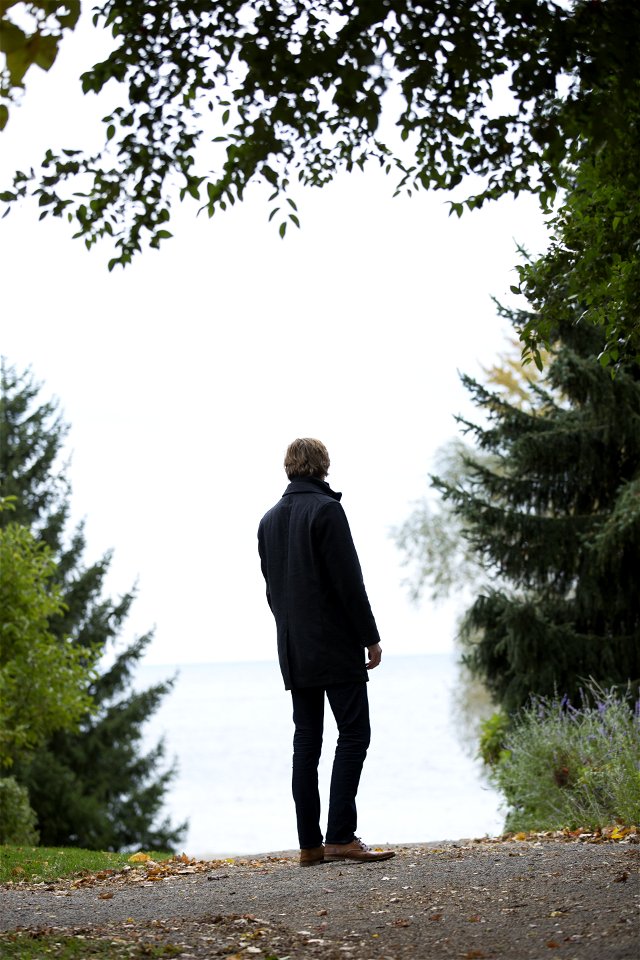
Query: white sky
column 185, row 376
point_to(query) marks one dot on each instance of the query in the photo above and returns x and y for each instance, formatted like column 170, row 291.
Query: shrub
column 493, row 733
column 566, row 766
column 17, row 819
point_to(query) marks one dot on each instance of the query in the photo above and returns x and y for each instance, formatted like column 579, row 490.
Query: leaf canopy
column 306, row 88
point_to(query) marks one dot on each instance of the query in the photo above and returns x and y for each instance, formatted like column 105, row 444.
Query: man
column 324, row 625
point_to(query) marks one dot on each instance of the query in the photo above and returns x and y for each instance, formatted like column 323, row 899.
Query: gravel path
column 468, row 899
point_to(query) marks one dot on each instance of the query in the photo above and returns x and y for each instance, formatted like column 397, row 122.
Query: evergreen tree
column 92, row 788
column 550, row 506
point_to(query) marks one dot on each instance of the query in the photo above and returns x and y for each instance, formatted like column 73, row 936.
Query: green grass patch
column 35, row 864
column 36, row 946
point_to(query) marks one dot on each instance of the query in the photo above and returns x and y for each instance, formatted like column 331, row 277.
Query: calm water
column 229, row 726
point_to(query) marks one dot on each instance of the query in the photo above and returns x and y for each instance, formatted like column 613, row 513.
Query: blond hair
column 306, row 457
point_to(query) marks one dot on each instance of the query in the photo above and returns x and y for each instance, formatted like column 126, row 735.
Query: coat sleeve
column 342, row 568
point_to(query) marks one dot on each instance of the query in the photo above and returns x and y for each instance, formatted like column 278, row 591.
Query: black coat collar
column 311, row 485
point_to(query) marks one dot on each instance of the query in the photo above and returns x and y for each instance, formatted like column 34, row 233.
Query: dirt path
column 468, row 899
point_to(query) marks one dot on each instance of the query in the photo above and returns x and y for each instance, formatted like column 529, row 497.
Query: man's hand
column 375, row 655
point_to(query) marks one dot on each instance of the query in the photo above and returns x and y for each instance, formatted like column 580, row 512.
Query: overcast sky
column 185, row 376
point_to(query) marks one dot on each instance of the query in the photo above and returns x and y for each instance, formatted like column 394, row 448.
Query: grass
column 37, row 946
column 35, row 864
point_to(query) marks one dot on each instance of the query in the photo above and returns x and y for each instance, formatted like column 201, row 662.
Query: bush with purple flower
column 565, row 766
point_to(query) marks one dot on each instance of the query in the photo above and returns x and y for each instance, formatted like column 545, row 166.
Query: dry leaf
column 619, row 833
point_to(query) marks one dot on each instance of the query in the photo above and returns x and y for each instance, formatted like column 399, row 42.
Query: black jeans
column 350, row 706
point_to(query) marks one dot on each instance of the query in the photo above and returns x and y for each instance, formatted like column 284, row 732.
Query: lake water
column 229, row 726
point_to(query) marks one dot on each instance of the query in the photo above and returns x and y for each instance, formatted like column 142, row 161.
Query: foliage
column 93, row 788
column 26, row 863
column 301, row 86
column 431, row 539
column 545, row 513
column 567, row 766
column 32, row 38
column 547, row 507
column 563, row 604
column 17, row 819
column 43, row 679
column 96, row 789
column 509, row 376
column 591, row 273
column 493, row 734
column 548, row 502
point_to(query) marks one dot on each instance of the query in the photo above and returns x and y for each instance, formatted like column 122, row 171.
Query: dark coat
column 315, row 587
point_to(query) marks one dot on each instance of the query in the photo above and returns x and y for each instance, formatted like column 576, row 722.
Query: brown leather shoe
column 356, row 850
column 309, row 858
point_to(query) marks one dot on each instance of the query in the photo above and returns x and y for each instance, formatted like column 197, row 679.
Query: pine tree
column 93, row 788
column 551, row 508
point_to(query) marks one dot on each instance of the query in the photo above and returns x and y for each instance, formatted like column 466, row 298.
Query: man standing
column 324, row 625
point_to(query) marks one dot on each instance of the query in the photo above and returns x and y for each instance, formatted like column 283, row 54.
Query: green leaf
column 69, row 20
column 4, row 118
column 12, row 38
column 111, row 130
column 46, row 52
column 18, row 62
column 283, row 229
column 270, row 175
